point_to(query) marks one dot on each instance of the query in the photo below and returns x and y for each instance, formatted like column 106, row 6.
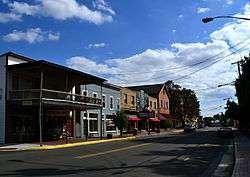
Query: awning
column 156, row 119
column 134, row 119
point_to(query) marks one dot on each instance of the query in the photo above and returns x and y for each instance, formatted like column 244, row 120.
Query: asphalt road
column 180, row 155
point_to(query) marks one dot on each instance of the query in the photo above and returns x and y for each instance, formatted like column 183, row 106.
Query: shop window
column 93, row 115
column 110, row 126
column 154, row 105
column 93, row 125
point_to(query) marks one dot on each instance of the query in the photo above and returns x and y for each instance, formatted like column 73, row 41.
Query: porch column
column 40, row 108
column 101, row 131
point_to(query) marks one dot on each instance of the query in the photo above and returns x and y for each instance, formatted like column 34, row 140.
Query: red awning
column 156, row 119
column 134, row 119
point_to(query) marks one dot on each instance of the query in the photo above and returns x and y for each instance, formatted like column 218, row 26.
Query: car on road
column 226, row 132
column 189, row 128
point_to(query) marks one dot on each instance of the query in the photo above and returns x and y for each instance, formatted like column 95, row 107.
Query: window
column 85, row 114
column 150, row 104
column 15, row 83
column 111, row 102
column 154, row 105
column 161, row 104
column 93, row 125
column 118, row 104
column 166, row 104
column 93, row 115
column 133, row 100
column 103, row 101
column 1, row 94
column 110, row 123
column 94, row 95
column 126, row 98
column 85, row 93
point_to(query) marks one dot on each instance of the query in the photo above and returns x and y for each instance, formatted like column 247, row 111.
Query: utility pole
column 238, row 65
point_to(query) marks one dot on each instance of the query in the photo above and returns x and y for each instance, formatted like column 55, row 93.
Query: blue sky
column 124, row 36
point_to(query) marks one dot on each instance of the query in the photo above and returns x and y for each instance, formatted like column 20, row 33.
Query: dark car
column 225, row 132
column 189, row 128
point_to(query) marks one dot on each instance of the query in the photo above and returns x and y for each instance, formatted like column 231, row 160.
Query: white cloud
column 159, row 65
column 63, row 10
column 229, row 2
column 32, row 35
column 202, row 10
column 97, row 45
column 102, row 5
column 9, row 17
column 180, row 16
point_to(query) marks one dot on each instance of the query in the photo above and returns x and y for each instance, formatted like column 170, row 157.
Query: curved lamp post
column 209, row 19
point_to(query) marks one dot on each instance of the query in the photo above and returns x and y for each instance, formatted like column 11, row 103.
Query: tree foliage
column 183, row 102
column 243, row 93
column 120, row 121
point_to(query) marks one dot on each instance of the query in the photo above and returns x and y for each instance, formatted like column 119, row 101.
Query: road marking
column 112, row 151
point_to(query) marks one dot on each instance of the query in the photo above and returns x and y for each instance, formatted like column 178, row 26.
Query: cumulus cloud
column 65, row 9
column 9, row 17
column 32, row 35
column 158, row 65
column 202, row 10
column 97, row 45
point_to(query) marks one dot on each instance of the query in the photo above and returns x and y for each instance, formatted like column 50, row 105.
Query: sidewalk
column 242, row 156
column 79, row 142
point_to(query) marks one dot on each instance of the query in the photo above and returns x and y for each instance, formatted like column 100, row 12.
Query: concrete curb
column 72, row 144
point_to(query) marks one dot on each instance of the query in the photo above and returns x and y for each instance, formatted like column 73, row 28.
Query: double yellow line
column 111, row 151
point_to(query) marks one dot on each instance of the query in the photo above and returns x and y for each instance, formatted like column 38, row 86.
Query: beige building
column 128, row 100
column 152, row 103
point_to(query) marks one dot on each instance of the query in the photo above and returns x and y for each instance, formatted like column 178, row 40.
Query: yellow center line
column 111, row 151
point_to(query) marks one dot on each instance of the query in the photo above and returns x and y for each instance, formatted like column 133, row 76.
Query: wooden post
column 40, row 109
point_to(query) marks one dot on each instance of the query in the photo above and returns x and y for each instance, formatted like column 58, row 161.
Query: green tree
column 183, row 103
column 121, row 121
column 232, row 111
column 242, row 85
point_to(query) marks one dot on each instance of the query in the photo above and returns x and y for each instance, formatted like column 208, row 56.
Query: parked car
column 189, row 128
column 225, row 132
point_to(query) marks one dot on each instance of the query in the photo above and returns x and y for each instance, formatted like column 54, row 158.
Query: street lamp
column 209, row 19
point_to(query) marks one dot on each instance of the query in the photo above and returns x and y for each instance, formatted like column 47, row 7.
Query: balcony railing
column 53, row 95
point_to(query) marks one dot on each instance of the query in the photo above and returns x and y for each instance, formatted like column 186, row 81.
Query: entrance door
column 85, row 127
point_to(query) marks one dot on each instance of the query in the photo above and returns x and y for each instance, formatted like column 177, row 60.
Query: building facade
column 91, row 119
column 41, row 100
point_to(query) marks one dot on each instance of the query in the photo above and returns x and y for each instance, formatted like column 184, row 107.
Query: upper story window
column 154, row 105
column 1, row 94
column 94, row 94
column 103, row 101
column 166, row 104
column 111, row 102
column 161, row 103
column 133, row 100
column 85, row 93
column 150, row 104
column 118, row 104
column 125, row 98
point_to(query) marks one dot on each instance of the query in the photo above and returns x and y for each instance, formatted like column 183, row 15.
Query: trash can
column 109, row 136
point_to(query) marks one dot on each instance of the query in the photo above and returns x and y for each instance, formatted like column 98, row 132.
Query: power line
column 182, row 67
column 216, row 61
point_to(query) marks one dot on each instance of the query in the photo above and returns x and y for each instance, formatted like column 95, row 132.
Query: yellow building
column 152, row 103
column 128, row 100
